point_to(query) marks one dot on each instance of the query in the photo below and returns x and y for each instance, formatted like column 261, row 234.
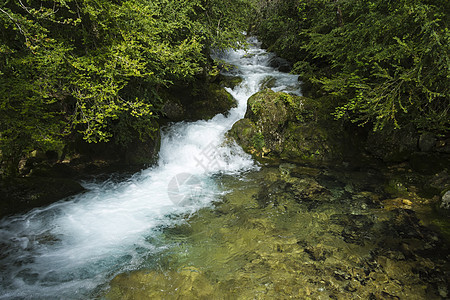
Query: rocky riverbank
column 299, row 129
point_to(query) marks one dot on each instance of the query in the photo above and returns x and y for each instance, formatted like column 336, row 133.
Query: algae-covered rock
column 280, row 125
column 245, row 133
column 212, row 101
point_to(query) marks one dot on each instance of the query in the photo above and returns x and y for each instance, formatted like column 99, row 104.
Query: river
column 208, row 222
column 74, row 247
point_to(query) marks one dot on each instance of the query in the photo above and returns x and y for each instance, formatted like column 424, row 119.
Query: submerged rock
column 189, row 282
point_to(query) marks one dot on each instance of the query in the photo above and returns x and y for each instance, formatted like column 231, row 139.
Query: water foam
column 70, row 248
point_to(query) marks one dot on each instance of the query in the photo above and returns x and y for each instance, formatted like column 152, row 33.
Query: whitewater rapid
column 74, row 247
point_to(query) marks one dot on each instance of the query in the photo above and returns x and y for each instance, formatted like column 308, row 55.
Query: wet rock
column 366, row 200
column 308, row 189
column 188, row 283
column 268, row 83
column 356, row 228
column 342, row 275
column 392, row 204
column 398, row 270
column 245, row 133
column 229, row 81
column 199, row 101
column 173, row 110
column 286, row 168
column 445, row 202
column 427, row 141
column 302, row 190
column 279, row 125
column 301, row 171
column 250, row 249
column 142, row 153
column 280, row 64
column 353, row 286
column 274, row 193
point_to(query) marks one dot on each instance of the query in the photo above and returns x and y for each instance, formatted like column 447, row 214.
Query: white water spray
column 71, row 248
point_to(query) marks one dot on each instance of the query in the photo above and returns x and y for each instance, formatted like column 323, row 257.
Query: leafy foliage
column 384, row 62
column 95, row 67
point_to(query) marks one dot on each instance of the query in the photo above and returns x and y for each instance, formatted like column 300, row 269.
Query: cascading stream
column 72, row 247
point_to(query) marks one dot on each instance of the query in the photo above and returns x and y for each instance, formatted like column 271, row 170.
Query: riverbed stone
column 280, row 248
column 188, row 283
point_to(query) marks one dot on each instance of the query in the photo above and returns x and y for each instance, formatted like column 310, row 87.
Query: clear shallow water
column 72, row 248
column 293, row 231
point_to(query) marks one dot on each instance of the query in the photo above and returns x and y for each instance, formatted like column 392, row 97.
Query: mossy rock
column 210, row 102
column 199, row 101
column 306, row 142
column 268, row 109
column 243, row 131
column 229, row 81
column 279, row 125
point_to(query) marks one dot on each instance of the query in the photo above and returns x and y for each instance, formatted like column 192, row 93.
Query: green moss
column 258, row 141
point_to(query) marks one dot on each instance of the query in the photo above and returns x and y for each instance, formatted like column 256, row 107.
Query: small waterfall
column 72, row 247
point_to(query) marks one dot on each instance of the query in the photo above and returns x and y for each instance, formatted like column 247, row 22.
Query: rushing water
column 73, row 247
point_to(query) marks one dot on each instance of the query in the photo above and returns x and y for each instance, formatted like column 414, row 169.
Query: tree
column 95, row 67
column 382, row 62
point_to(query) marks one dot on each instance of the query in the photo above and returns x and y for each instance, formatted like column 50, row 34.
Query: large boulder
column 280, row 125
column 199, row 102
